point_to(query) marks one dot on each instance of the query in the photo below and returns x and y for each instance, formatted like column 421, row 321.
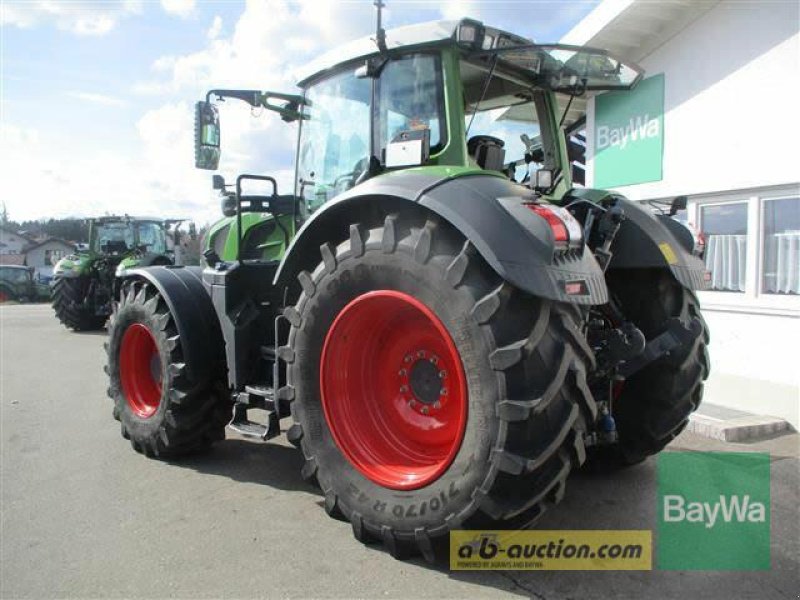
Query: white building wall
column 730, row 102
column 35, row 257
column 731, row 128
column 11, row 243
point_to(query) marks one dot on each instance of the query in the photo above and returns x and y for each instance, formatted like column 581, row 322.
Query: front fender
column 72, row 266
column 191, row 308
column 486, row 210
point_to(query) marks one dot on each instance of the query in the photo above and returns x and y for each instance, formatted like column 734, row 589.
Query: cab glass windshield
column 569, row 69
column 113, row 237
column 151, row 238
column 334, row 141
column 410, row 98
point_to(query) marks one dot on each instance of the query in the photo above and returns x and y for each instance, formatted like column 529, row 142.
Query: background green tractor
column 84, row 283
column 451, row 332
column 17, row 284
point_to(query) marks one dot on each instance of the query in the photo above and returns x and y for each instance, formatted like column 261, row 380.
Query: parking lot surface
column 85, row 516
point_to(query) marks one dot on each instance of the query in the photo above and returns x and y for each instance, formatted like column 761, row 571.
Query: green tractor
column 17, row 284
column 84, row 283
column 451, row 333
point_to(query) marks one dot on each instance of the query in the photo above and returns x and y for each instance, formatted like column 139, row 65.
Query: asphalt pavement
column 83, row 515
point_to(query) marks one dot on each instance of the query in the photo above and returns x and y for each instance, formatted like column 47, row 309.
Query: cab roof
column 431, row 33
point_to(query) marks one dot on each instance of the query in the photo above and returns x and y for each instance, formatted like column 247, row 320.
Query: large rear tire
column 68, row 297
column 654, row 404
column 377, row 322
column 162, row 410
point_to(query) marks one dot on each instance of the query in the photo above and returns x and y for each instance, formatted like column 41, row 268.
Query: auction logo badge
column 713, row 511
column 551, row 550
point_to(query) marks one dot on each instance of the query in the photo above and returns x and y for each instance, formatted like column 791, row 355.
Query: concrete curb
column 730, row 425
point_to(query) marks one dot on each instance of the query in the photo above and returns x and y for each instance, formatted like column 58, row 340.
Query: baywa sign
column 714, row 511
column 629, row 135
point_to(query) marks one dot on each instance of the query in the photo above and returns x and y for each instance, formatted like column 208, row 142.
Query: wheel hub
column 140, row 370
column 422, row 385
column 393, row 389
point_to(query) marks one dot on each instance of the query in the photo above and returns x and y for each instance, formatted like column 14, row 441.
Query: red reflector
column 556, row 224
column 575, row 288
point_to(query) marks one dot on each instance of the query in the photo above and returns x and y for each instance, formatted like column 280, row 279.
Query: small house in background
column 13, row 242
column 44, row 254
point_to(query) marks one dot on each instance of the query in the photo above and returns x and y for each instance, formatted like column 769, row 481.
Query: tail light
column 567, row 231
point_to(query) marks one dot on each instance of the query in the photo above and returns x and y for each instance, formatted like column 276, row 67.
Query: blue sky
column 96, row 102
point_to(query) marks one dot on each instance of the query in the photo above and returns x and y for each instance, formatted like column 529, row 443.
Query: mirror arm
column 258, row 99
column 289, row 111
column 252, row 97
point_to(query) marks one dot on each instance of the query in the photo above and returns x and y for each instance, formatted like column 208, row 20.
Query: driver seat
column 487, row 151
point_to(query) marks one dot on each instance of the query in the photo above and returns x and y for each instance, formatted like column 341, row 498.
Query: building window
column 781, row 266
column 725, row 227
column 51, row 257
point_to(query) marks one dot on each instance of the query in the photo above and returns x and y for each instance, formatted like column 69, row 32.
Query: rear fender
column 488, row 211
column 645, row 240
column 198, row 327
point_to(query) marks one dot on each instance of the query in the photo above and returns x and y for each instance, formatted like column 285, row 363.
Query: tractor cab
column 120, row 235
column 450, row 94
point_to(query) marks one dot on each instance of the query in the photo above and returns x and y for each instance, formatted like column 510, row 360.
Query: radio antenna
column 380, row 33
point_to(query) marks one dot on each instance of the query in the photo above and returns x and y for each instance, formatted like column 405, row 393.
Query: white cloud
column 80, row 17
column 265, row 46
column 458, row 9
column 215, row 29
column 180, row 8
column 94, row 98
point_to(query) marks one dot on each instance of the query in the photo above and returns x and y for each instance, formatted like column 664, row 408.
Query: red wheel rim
column 393, row 390
column 140, row 370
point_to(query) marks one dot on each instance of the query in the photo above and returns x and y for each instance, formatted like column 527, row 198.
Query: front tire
column 162, row 410
column 68, row 298
column 502, row 442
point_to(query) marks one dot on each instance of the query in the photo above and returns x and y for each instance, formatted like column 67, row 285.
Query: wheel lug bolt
column 443, row 392
column 424, row 410
column 421, row 354
column 402, row 373
column 403, row 389
column 411, row 403
column 407, row 358
column 434, row 360
column 437, row 404
column 442, row 374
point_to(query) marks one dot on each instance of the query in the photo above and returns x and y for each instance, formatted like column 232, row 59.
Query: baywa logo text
column 713, row 511
column 550, row 550
column 728, row 508
column 640, row 127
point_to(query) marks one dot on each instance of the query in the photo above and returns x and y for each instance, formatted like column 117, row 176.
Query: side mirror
column 543, row 180
column 206, row 136
column 218, row 182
